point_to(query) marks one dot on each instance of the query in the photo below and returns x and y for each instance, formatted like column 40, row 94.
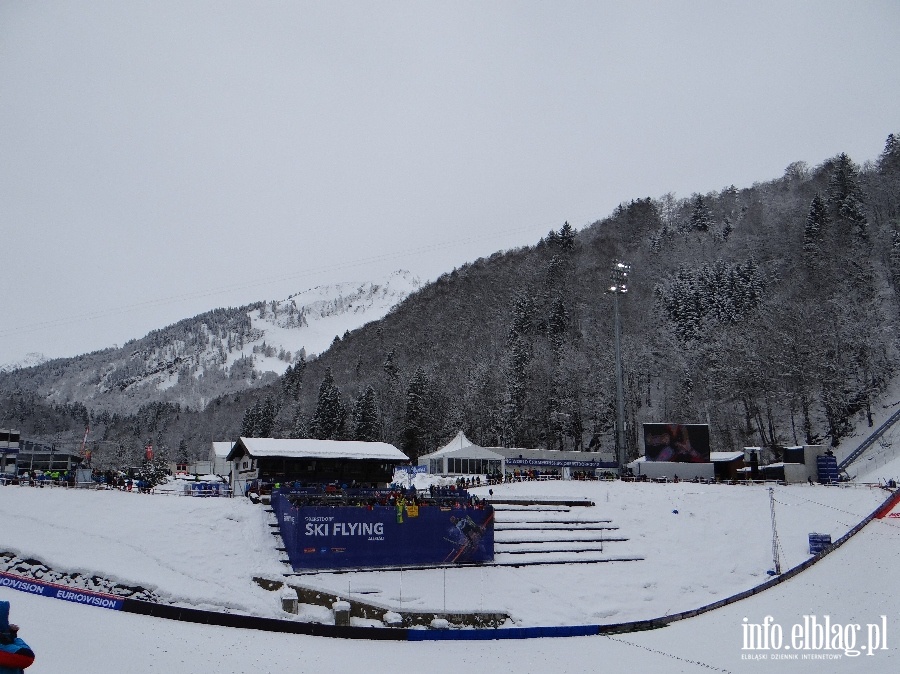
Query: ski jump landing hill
column 110, row 602
column 887, row 508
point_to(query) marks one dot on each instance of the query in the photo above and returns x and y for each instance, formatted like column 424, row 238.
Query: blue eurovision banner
column 323, row 537
column 55, row 591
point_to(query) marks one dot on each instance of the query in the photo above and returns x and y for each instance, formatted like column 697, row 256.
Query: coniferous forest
column 769, row 312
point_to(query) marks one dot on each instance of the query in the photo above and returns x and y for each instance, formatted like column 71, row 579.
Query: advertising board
column 322, row 537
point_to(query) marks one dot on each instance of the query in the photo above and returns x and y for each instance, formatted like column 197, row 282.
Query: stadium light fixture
column 619, row 278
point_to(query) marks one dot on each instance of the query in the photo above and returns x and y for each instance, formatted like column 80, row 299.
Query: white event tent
column 461, row 456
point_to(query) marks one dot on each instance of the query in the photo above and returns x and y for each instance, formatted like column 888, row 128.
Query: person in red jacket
column 15, row 654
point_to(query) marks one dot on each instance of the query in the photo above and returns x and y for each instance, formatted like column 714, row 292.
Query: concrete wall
column 810, row 452
column 796, row 472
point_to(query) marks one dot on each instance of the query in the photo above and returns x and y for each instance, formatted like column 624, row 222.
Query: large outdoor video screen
column 683, row 443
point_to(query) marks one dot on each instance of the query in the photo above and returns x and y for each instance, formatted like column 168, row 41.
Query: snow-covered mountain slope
column 30, row 360
column 218, row 352
column 308, row 322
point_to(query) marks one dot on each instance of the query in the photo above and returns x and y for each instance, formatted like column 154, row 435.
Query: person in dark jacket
column 15, row 654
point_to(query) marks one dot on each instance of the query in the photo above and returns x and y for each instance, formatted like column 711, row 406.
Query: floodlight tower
column 619, row 285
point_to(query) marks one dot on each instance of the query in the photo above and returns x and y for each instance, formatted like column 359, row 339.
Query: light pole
column 619, row 285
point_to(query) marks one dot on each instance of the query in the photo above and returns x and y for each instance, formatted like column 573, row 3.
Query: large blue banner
column 560, row 463
column 323, row 537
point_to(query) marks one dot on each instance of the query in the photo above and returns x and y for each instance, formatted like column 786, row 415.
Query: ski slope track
column 868, row 442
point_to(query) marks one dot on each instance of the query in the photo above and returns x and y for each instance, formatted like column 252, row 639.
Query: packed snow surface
column 206, row 551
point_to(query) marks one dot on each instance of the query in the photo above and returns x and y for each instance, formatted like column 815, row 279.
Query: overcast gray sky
column 158, row 159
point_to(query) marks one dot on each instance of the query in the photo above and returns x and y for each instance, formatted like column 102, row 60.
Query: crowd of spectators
column 531, row 474
column 114, row 479
column 394, row 495
column 40, row 478
column 109, row 479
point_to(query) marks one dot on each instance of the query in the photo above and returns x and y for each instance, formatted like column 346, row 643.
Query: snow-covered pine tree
column 816, row 222
column 517, row 360
column 365, row 417
column 555, row 278
column 523, row 317
column 567, row 237
column 156, row 470
column 752, row 285
column 182, row 456
column 248, row 424
column 292, row 379
column 557, row 323
column 894, row 257
column 889, row 161
column 519, row 355
column 552, row 239
column 701, row 216
column 330, row 415
column 265, row 418
column 286, row 379
column 845, row 197
column 417, row 419
column 390, row 368
column 727, row 229
column 299, row 426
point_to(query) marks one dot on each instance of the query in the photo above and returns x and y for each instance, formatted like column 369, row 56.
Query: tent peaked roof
column 458, row 442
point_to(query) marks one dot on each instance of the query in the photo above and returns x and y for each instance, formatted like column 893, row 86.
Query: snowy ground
column 205, row 552
column 698, row 542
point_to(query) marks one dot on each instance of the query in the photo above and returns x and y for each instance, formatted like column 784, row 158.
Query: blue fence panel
column 828, row 470
column 206, row 488
column 322, row 537
column 818, row 543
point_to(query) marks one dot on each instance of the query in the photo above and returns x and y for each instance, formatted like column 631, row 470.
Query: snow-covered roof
column 725, row 456
column 222, row 449
column 306, row 448
column 713, row 457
